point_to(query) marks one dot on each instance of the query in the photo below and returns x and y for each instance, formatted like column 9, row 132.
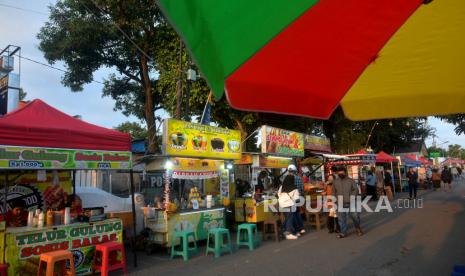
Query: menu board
column 12, row 157
column 282, row 142
column 195, row 140
column 317, row 143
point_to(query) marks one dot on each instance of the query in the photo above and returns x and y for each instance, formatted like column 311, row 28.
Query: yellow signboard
column 195, row 140
column 246, row 159
column 189, row 164
column 282, row 142
column 273, row 162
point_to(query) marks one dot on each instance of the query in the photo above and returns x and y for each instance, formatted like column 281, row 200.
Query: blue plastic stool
column 252, row 239
column 186, row 249
column 219, row 247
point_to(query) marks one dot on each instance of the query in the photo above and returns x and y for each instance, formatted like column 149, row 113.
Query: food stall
column 196, row 179
column 40, row 147
column 358, row 165
column 278, row 148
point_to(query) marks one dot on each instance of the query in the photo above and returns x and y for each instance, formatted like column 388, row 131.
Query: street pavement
column 413, row 241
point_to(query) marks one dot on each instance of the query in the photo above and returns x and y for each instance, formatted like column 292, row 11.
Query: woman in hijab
column 287, row 196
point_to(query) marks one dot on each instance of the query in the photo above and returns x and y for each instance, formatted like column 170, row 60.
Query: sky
column 19, row 26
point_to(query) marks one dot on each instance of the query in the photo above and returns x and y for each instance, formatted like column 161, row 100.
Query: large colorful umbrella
column 379, row 59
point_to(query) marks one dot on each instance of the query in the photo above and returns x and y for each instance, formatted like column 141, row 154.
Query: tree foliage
column 135, row 129
column 457, row 120
column 125, row 36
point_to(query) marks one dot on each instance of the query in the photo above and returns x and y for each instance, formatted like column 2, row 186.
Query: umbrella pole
column 393, row 186
column 134, row 218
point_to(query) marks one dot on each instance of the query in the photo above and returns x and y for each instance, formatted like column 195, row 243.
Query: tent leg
column 74, row 182
column 134, row 218
column 393, row 186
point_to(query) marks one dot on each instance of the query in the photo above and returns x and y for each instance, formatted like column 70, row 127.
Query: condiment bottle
column 49, row 217
column 40, row 222
column 67, row 216
column 30, row 218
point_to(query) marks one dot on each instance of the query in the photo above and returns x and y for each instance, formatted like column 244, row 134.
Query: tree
column 133, row 128
column 458, row 120
column 455, row 151
column 22, row 94
column 88, row 35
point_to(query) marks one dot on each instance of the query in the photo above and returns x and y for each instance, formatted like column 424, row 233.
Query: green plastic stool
column 184, row 243
column 219, row 246
column 252, row 239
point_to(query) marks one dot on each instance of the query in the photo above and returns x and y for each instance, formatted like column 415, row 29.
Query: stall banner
column 197, row 165
column 224, row 184
column 246, row 159
column 195, row 140
column 273, row 162
column 12, row 157
column 282, row 142
column 24, row 248
column 316, row 143
column 47, row 194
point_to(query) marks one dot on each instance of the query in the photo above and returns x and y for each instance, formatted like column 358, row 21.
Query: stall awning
column 39, row 125
column 406, row 161
column 383, row 157
column 193, row 175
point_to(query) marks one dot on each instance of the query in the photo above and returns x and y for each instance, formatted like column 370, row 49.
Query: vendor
column 75, row 203
column 242, row 187
column 17, row 216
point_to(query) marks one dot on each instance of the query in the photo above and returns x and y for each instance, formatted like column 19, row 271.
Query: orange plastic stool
column 4, row 269
column 105, row 258
column 51, row 258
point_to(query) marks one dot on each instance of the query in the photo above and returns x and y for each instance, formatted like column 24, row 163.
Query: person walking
column 332, row 222
column 412, row 177
column 344, row 187
column 371, row 185
column 288, row 194
column 388, row 184
column 436, row 178
column 379, row 184
column 446, row 177
column 298, row 221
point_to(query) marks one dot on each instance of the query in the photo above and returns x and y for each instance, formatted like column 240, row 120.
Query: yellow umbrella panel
column 419, row 72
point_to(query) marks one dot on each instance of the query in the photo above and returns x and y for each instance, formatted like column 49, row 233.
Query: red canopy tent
column 38, row 124
column 383, row 157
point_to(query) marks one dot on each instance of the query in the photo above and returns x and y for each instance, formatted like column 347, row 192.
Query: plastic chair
column 48, row 261
column 4, row 269
column 274, row 226
column 251, row 235
column 105, row 258
column 219, row 247
column 184, row 242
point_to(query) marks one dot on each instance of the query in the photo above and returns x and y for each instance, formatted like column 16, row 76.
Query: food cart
column 279, row 147
column 196, row 180
column 40, row 148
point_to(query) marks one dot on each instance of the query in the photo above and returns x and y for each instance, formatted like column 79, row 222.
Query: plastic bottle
column 40, row 221
column 30, row 218
column 67, row 219
column 49, row 218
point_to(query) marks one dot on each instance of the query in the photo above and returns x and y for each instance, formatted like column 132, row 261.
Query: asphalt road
column 413, row 241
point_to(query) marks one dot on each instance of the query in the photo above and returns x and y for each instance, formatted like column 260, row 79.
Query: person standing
column 371, row 185
column 379, row 184
column 332, row 222
column 412, row 177
column 344, row 187
column 388, row 184
column 299, row 223
column 446, row 177
column 287, row 196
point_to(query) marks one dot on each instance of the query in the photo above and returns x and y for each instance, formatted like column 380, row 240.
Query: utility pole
column 179, row 84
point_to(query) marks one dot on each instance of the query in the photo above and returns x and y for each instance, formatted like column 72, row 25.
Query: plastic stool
column 219, row 246
column 4, row 269
column 48, row 261
column 252, row 240
column 105, row 258
column 315, row 219
column 274, row 224
column 184, row 242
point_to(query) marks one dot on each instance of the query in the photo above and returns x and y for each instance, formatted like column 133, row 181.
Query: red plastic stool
column 3, row 269
column 105, row 258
